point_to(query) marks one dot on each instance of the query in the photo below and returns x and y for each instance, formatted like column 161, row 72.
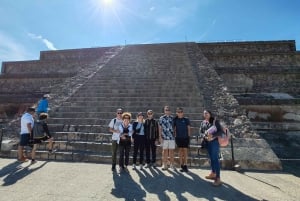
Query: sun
column 107, row 2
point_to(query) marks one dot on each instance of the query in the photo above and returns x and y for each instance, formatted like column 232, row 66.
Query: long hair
column 212, row 118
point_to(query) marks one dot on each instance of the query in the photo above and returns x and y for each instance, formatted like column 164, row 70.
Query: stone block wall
column 256, row 67
column 74, row 54
column 38, row 67
column 27, row 85
column 252, row 60
column 247, row 47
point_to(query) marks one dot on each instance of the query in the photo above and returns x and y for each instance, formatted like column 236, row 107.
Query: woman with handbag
column 212, row 129
column 125, row 141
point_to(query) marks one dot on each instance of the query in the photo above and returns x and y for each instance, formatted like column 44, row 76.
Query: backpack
column 38, row 130
column 224, row 138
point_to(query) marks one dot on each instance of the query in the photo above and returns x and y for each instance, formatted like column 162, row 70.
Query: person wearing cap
column 182, row 128
column 27, row 123
column 125, row 141
column 166, row 137
column 152, row 136
column 114, row 129
column 43, row 105
column 139, row 140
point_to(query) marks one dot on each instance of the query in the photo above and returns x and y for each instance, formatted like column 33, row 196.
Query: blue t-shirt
column 42, row 106
column 181, row 126
column 166, row 123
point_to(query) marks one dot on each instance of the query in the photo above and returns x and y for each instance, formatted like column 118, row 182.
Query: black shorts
column 182, row 142
column 24, row 139
column 40, row 140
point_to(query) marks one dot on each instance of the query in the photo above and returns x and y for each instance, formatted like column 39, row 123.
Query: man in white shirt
column 27, row 123
column 114, row 128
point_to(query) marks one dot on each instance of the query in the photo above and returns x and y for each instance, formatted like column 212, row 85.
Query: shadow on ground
column 156, row 182
column 16, row 171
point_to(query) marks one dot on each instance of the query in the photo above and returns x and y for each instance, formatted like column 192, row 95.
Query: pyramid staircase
column 137, row 78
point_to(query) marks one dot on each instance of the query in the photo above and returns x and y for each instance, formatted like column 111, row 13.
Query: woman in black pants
column 125, row 141
column 139, row 140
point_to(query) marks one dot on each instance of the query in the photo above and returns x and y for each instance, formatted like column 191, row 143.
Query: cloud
column 49, row 44
column 10, row 49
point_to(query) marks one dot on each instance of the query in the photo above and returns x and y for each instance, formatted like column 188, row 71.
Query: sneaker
column 121, row 169
column 126, row 169
column 165, row 167
column 113, row 167
column 172, row 167
column 182, row 168
column 23, row 160
column 52, row 151
column 217, row 182
column 134, row 167
column 141, row 166
column 211, row 176
column 33, row 161
column 148, row 165
column 185, row 168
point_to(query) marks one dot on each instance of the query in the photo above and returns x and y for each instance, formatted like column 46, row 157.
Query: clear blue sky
column 30, row 26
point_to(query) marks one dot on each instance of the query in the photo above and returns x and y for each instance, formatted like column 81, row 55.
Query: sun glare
column 107, row 2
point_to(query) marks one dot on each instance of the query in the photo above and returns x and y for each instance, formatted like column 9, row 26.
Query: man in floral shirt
column 166, row 137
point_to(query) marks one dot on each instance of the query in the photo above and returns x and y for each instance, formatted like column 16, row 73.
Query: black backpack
column 38, row 130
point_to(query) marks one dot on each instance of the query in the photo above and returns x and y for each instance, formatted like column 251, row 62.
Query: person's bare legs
column 33, row 152
column 165, row 158
column 20, row 152
column 171, row 154
column 50, row 144
column 185, row 156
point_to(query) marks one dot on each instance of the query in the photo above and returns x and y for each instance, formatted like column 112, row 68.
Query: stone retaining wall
column 253, row 60
column 74, row 54
column 247, row 47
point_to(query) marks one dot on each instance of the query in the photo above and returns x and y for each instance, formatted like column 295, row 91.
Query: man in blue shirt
column 43, row 105
column 182, row 130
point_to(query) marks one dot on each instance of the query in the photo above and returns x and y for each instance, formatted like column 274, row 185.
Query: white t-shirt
column 115, row 126
column 25, row 119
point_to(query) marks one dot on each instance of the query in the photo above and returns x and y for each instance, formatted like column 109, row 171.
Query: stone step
column 113, row 108
column 276, row 126
column 104, row 148
column 136, row 99
column 148, row 104
column 101, row 137
column 95, row 121
column 197, row 161
column 112, row 93
column 94, row 128
column 132, row 88
column 110, row 115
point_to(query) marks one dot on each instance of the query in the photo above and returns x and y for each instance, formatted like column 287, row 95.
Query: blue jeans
column 213, row 152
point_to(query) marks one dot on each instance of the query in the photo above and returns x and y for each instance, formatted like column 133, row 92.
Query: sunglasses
column 150, row 113
column 179, row 111
column 119, row 112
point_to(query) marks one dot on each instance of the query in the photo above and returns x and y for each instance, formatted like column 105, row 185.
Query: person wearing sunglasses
column 125, row 141
column 114, row 129
column 182, row 130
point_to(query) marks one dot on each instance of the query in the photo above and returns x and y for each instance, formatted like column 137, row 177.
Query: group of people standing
column 168, row 131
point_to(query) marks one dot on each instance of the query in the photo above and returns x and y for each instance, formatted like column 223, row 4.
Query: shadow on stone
column 15, row 172
column 126, row 187
column 157, row 182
